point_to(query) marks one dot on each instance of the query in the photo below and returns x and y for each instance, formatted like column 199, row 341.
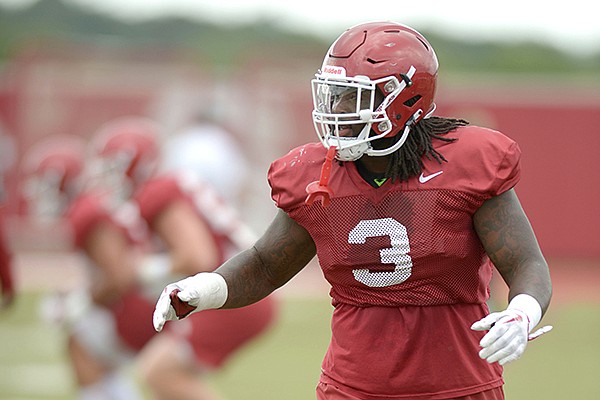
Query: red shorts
column 133, row 319
column 331, row 392
column 215, row 335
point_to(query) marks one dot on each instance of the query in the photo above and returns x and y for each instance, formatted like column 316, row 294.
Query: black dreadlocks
column 407, row 161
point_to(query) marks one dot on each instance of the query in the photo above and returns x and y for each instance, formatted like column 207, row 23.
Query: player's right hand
column 164, row 311
column 202, row 291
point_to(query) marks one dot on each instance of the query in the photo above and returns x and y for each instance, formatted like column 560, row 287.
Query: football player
column 103, row 316
column 197, row 231
column 408, row 214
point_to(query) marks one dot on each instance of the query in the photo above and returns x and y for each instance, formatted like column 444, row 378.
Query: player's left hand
column 507, row 337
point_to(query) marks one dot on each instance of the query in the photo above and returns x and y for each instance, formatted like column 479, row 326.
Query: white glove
column 203, row 291
column 507, row 336
column 509, row 330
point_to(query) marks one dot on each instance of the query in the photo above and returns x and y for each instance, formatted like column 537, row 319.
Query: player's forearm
column 532, row 277
column 246, row 279
column 283, row 250
column 510, row 242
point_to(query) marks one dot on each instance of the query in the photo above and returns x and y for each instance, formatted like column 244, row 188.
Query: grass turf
column 285, row 363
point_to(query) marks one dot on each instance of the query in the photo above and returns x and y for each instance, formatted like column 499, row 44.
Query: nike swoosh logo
column 425, row 178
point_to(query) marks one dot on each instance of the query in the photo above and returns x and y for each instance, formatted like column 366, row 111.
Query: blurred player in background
column 7, row 283
column 197, row 231
column 105, row 317
column 408, row 214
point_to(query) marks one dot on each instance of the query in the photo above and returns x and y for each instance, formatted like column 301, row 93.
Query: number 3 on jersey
column 397, row 254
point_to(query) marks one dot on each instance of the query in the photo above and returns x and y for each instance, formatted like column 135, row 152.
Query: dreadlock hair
column 407, row 161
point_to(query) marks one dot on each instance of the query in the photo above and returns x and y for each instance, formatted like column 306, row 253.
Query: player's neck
column 372, row 171
column 374, row 165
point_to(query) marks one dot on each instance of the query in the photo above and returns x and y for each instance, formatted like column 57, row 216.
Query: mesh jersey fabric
column 404, row 257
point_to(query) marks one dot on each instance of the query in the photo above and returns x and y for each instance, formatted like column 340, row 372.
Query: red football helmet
column 51, row 172
column 127, row 153
column 390, row 70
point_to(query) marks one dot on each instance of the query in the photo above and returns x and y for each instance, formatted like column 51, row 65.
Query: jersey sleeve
column 86, row 213
column 156, row 195
column 289, row 175
column 484, row 162
column 509, row 170
column 501, row 161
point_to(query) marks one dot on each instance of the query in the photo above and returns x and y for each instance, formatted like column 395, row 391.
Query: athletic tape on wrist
column 213, row 289
column 530, row 306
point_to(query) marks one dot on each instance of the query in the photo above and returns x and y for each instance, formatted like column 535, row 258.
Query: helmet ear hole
column 412, row 101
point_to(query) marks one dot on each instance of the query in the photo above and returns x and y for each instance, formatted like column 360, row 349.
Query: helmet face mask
column 392, row 70
column 53, row 170
column 46, row 202
column 108, row 174
column 368, row 112
column 126, row 155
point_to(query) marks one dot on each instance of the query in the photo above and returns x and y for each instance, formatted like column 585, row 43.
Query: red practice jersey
column 407, row 270
column 160, row 192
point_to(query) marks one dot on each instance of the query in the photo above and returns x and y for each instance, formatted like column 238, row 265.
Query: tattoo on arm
column 283, row 250
column 510, row 242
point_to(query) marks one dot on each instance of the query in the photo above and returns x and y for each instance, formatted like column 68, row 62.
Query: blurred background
column 530, row 71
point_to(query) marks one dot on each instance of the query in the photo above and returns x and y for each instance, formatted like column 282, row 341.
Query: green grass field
column 285, row 363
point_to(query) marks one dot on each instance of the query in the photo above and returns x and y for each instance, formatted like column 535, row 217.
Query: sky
column 570, row 26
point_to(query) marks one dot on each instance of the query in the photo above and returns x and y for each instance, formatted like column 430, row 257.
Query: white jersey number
column 397, row 254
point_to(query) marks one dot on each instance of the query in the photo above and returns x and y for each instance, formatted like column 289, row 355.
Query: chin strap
column 319, row 189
